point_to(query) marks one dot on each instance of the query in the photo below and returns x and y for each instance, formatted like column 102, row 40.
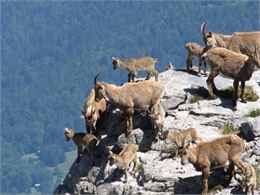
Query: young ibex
column 140, row 96
column 84, row 142
column 240, row 42
column 157, row 118
column 233, row 65
column 132, row 65
column 180, row 137
column 249, row 182
column 213, row 154
column 124, row 158
column 93, row 111
column 194, row 50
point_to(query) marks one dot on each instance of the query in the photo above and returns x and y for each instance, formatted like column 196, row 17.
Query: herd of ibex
column 235, row 56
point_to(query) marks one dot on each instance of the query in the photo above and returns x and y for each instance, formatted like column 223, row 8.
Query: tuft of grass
column 250, row 94
column 201, row 94
column 257, row 173
column 216, row 188
column 254, row 113
column 229, row 128
column 171, row 150
column 139, row 168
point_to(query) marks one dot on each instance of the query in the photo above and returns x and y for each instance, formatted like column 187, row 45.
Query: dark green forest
column 50, row 51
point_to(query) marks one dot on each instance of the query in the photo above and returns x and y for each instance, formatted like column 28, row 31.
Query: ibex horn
column 202, row 29
column 83, row 113
column 95, row 78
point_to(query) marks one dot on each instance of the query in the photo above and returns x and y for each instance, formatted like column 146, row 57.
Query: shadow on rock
column 193, row 185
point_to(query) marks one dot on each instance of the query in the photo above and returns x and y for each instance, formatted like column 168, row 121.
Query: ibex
column 140, row 96
column 233, row 65
column 249, row 182
column 178, row 138
column 240, row 42
column 83, row 141
column 93, row 111
column 132, row 65
column 124, row 158
column 213, row 154
column 157, row 118
column 194, row 50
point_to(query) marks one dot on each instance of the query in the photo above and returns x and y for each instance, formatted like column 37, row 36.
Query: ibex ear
column 110, row 152
column 113, row 58
column 66, row 129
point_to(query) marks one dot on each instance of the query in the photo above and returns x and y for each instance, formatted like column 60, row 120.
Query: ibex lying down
column 140, row 96
column 124, row 158
column 249, row 182
column 93, row 111
column 157, row 118
column 83, row 141
column 194, row 50
column 132, row 65
column 233, row 65
column 214, row 154
column 180, row 137
column 240, row 42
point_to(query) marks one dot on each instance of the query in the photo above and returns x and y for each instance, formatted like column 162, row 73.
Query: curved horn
column 95, row 79
column 202, row 29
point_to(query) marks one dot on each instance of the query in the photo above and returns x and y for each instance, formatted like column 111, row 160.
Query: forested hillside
column 50, row 51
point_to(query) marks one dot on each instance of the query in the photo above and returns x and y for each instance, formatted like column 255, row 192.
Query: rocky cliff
column 159, row 171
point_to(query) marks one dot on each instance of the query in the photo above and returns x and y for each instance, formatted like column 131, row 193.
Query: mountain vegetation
column 50, row 51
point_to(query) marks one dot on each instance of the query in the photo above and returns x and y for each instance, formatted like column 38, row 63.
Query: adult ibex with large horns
column 240, row 42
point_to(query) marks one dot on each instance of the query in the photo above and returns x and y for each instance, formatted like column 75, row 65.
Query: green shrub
column 201, row 94
column 171, row 150
column 250, row 94
column 216, row 188
column 229, row 128
column 254, row 113
column 257, row 173
column 139, row 168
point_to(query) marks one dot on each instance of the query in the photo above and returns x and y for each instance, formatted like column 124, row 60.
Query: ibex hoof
column 243, row 101
column 213, row 97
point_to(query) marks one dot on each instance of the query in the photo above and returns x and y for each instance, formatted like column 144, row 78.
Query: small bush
column 171, row 150
column 254, row 113
column 216, row 188
column 250, row 94
column 257, row 173
column 201, row 94
column 229, row 128
column 139, row 168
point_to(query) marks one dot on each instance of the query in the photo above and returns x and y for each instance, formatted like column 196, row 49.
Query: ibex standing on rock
column 92, row 112
column 180, row 137
column 233, row 65
column 124, row 158
column 240, row 42
column 194, row 50
column 132, row 65
column 140, row 96
column 84, row 142
column 213, row 154
column 249, row 182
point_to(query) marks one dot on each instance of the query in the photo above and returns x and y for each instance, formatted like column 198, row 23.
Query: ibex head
column 254, row 56
column 115, row 63
column 99, row 89
column 111, row 158
column 208, row 38
column 69, row 133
